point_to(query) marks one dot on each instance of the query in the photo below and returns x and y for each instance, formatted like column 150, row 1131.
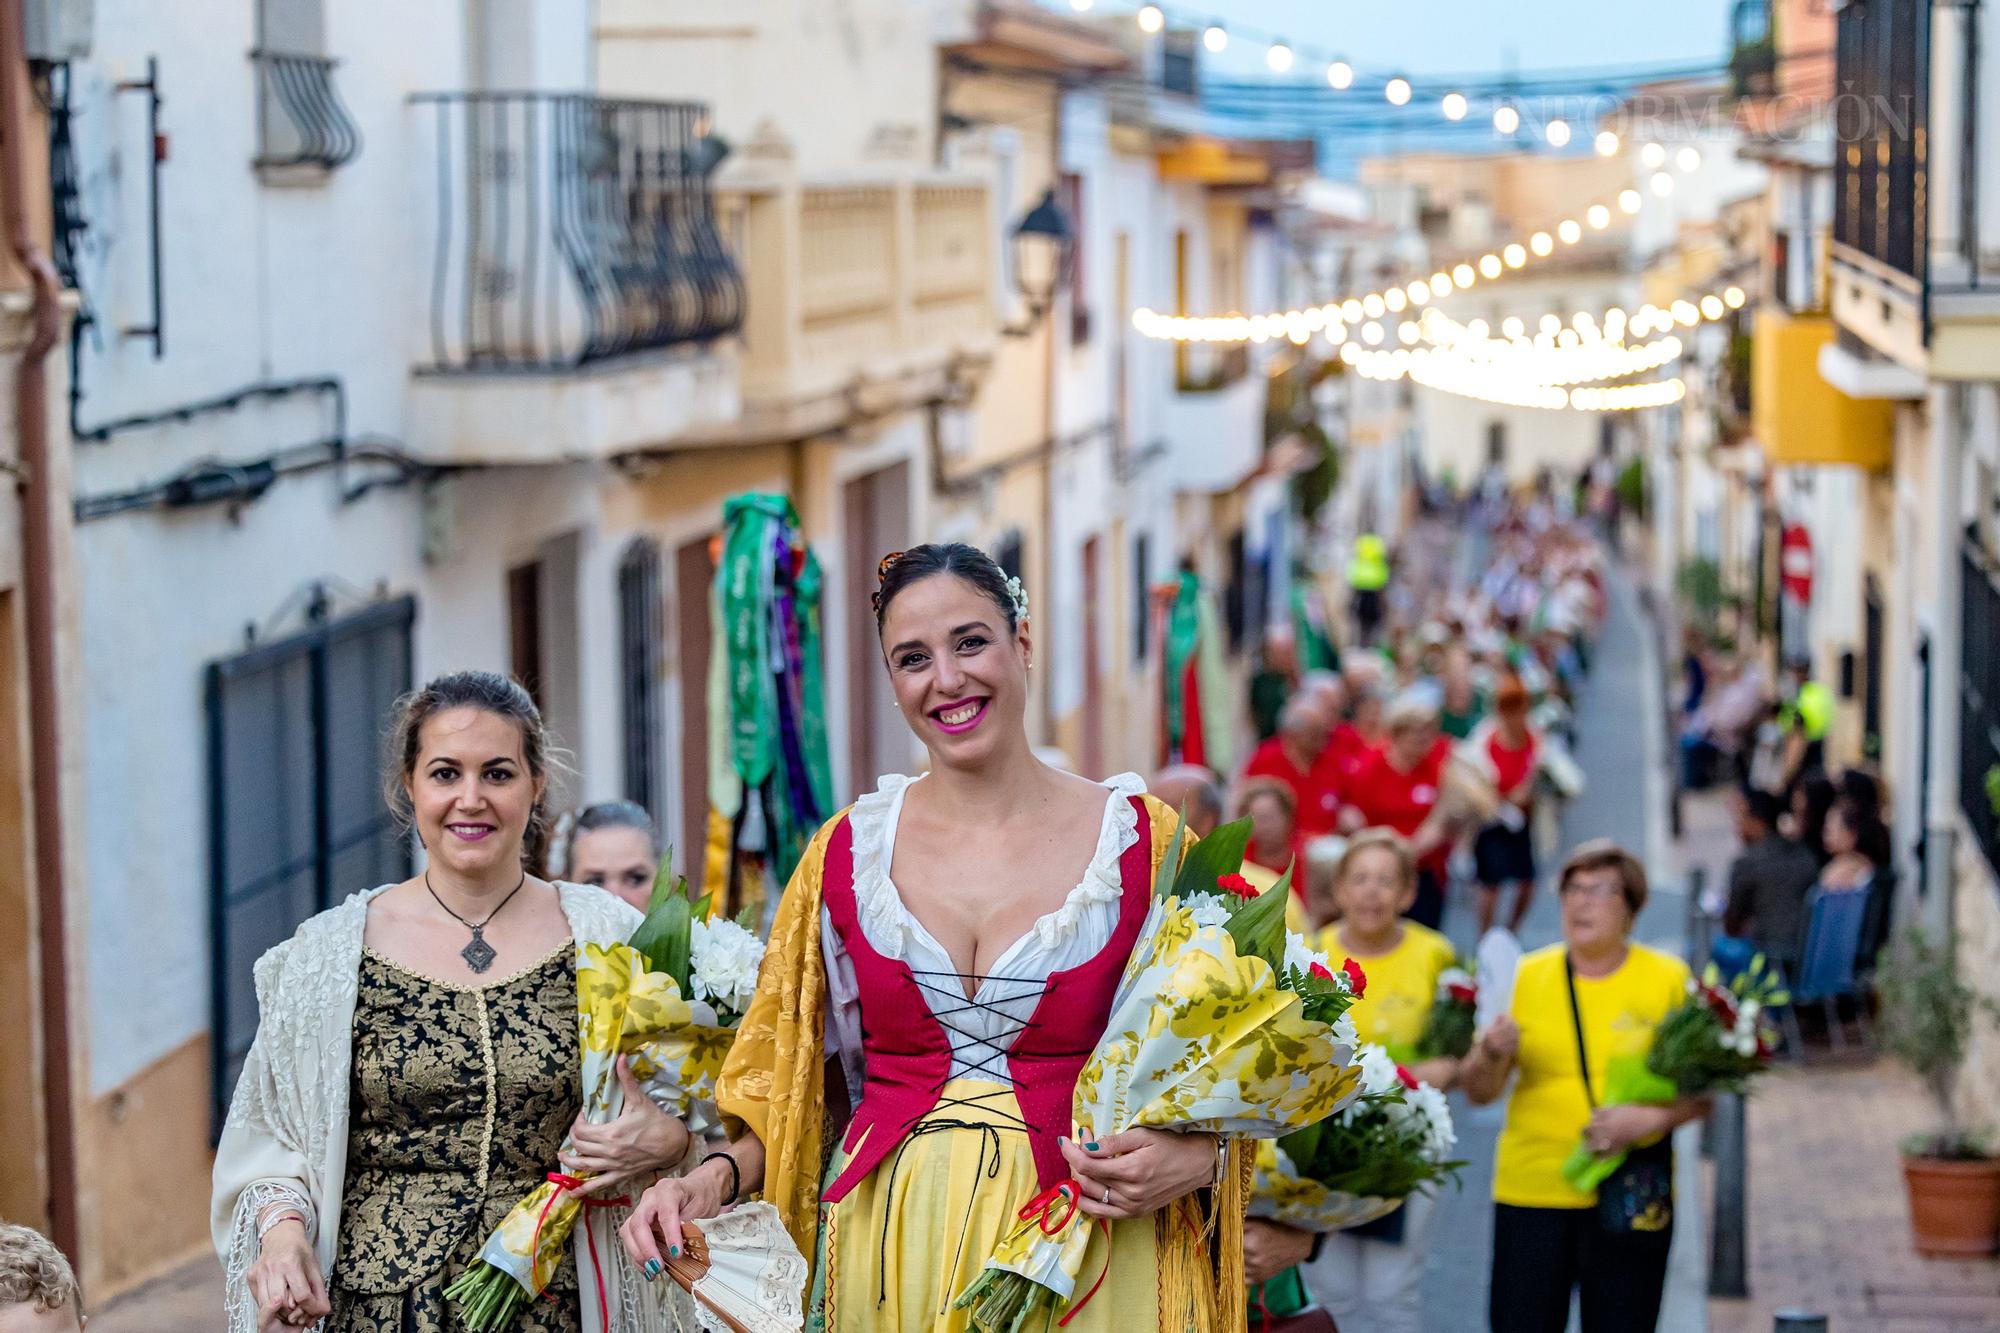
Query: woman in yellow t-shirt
column 1372, row 1279
column 1548, row 1238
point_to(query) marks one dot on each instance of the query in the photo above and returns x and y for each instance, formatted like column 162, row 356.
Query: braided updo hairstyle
column 900, row 569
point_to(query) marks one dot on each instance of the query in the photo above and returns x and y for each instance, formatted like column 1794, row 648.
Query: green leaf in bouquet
column 1218, row 854
column 751, row 918
column 1168, row 879
column 665, row 937
column 1258, row 924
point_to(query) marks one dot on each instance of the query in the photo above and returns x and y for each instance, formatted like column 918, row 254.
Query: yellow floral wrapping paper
column 676, row 1048
column 1281, row 1194
column 1200, row 1039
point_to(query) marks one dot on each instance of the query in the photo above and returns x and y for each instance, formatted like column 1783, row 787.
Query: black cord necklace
column 478, row 954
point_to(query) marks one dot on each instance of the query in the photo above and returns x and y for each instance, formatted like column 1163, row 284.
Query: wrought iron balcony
column 300, row 121
column 571, row 229
column 1881, row 157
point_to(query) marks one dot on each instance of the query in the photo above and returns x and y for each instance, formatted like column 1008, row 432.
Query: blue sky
column 1423, row 36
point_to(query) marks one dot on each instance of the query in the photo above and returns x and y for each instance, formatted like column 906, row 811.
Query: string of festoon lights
column 1455, row 105
column 1367, row 311
column 1554, row 368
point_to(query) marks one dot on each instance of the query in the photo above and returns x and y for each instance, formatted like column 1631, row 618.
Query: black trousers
column 1428, row 909
column 1541, row 1254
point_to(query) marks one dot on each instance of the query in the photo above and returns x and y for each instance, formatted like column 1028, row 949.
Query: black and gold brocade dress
column 461, row 1097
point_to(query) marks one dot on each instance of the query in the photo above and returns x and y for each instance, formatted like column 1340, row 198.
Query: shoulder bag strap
column 1576, row 1023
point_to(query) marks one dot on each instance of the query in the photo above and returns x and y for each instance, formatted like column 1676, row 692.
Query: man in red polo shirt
column 1293, row 757
column 1397, row 787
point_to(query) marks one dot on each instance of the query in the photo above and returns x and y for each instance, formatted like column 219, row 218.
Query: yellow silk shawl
column 774, row 1085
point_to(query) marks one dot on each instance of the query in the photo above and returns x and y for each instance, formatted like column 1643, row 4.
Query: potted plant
column 1952, row 1176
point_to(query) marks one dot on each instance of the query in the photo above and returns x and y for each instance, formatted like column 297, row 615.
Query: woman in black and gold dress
column 417, row 1066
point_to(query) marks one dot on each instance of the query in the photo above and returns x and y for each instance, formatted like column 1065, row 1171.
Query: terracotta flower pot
column 1954, row 1206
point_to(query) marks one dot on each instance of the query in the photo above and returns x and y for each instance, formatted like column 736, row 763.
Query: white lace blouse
column 982, row 1028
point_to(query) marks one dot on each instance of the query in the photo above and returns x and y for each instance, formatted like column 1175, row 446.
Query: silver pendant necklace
column 477, row 953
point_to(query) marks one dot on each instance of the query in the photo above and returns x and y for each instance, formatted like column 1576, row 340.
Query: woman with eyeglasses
column 1595, row 998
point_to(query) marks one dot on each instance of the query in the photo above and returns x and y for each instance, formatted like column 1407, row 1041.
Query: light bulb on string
column 1599, row 217
column 1542, row 244
column 1454, row 106
column 1372, row 305
column 1489, row 265
column 1712, row 307
column 1557, row 133
column 1734, row 298
column 1607, row 143
column 1688, row 159
column 1351, row 311
column 1340, row 75
column 1569, row 231
column 1506, row 119
column 1151, row 18
column 1371, row 333
column 1512, row 327
column 1653, row 156
column 1629, row 201
column 1440, row 284
column 1396, row 300
column 1279, row 57
column 1662, row 184
column 1514, row 255
column 1463, row 276
column 1215, row 38
column 1397, row 90
column 1407, row 333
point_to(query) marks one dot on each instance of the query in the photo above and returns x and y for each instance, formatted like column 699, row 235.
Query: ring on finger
column 1107, row 1194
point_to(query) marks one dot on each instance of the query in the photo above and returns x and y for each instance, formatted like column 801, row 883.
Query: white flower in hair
column 1018, row 595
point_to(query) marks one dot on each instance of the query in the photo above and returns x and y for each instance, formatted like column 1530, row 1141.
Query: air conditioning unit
column 58, row 30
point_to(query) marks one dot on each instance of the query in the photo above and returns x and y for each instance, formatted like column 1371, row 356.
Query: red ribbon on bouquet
column 1042, row 1210
column 564, row 1185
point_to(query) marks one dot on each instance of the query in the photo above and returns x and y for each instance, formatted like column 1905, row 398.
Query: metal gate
column 295, row 813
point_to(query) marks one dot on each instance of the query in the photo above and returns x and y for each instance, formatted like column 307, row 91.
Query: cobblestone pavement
column 1829, row 1228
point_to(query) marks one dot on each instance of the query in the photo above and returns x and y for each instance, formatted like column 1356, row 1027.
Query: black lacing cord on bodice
column 998, row 1049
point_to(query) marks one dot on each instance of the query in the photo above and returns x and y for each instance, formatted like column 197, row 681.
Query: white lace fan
column 744, row 1272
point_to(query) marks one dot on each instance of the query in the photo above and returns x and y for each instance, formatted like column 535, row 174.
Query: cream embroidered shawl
column 286, row 1136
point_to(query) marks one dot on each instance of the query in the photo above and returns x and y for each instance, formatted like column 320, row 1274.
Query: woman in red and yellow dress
column 944, row 961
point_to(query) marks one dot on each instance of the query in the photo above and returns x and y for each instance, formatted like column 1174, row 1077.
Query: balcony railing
column 300, row 121
column 857, row 285
column 1979, row 700
column 570, row 229
column 1881, row 160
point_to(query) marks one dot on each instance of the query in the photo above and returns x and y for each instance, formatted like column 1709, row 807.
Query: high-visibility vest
column 1368, row 569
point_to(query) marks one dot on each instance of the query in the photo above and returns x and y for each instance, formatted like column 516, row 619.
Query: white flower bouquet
column 1362, row 1162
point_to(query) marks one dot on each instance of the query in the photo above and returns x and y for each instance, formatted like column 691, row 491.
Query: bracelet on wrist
column 265, row 1227
column 735, row 1175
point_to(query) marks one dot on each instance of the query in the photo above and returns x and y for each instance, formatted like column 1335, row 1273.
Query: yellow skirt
column 902, row 1246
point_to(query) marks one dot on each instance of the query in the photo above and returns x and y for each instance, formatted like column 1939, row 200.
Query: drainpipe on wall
column 1950, row 420
column 38, row 506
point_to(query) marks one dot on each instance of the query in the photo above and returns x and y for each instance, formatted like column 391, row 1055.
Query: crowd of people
column 398, row 1099
column 1439, row 744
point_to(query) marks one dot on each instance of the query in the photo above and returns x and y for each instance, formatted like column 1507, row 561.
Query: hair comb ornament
column 882, row 569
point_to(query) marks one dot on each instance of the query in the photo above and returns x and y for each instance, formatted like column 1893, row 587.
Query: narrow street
column 1620, row 751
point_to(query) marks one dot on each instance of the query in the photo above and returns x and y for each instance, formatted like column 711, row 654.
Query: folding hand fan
column 744, row 1272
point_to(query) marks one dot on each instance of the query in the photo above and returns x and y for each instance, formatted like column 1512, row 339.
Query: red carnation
column 1408, row 1079
column 1319, row 970
column 1462, row 993
column 1237, row 886
column 1357, row 980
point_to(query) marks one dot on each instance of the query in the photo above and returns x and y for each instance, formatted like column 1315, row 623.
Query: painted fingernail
column 674, row 1250
column 1091, row 1146
column 652, row 1269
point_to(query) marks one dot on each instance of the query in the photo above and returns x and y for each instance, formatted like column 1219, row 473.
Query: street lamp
column 1043, row 248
